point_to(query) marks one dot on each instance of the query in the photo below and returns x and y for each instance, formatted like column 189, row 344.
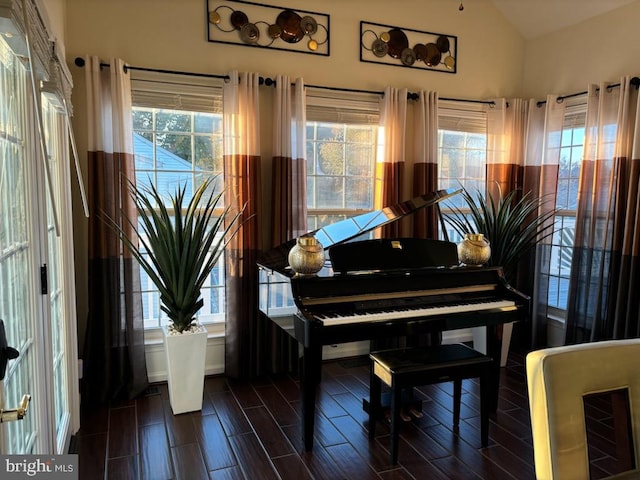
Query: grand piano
column 374, row 289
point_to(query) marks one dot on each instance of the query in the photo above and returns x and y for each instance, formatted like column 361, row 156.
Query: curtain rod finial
column 79, row 61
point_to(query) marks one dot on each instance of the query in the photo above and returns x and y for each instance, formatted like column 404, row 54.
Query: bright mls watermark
column 39, row 467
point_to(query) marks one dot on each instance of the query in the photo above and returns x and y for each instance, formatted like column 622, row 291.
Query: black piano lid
column 350, row 228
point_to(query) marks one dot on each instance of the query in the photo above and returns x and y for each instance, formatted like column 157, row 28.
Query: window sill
column 154, row 336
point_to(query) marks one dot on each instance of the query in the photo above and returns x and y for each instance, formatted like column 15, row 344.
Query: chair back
column 557, row 379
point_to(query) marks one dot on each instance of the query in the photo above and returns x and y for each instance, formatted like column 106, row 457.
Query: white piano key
column 411, row 313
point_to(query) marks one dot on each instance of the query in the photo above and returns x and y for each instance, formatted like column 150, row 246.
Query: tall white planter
column 185, row 354
column 480, row 341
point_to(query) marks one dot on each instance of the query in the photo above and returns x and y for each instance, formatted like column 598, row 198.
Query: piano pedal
column 415, row 413
column 403, row 416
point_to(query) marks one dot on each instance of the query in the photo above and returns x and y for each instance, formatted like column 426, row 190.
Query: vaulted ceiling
column 538, row 17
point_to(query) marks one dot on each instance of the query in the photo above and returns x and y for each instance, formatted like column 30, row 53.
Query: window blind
column 176, row 92
column 458, row 120
column 336, row 106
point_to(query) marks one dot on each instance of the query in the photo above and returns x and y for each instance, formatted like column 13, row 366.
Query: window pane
column 330, row 192
column 462, row 158
column 173, row 148
column 360, row 194
column 173, row 121
column 571, row 152
column 183, row 150
column 340, row 169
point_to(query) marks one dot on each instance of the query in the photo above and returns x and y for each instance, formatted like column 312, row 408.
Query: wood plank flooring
column 252, row 431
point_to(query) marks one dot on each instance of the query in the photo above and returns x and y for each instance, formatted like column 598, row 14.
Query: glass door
column 61, row 302
column 18, row 255
column 37, row 301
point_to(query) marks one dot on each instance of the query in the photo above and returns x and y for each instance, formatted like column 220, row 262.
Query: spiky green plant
column 178, row 250
column 513, row 226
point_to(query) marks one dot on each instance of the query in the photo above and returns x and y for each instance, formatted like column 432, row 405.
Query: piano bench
column 403, row 368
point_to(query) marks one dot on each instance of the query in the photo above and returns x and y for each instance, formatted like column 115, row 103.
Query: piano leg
column 494, row 350
column 311, row 372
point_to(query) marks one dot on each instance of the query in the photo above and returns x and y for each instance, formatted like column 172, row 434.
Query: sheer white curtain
column 241, row 152
column 391, row 162
column 289, row 171
column 603, row 300
column 542, row 163
column 506, row 124
column 523, row 156
column 425, row 161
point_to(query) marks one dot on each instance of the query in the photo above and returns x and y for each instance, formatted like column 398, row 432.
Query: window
column 571, row 150
column 462, row 154
column 178, row 141
column 342, row 140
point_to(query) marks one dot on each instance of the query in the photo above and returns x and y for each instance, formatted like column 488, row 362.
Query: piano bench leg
column 485, row 406
column 374, row 404
column 395, row 423
column 457, row 396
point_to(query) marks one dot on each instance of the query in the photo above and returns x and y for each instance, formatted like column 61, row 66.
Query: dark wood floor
column 252, row 431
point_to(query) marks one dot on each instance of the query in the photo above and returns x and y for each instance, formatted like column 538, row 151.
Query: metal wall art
column 253, row 24
column 404, row 47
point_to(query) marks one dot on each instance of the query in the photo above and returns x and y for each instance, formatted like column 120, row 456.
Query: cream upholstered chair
column 558, row 378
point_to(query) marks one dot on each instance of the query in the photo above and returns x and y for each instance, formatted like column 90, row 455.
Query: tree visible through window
column 462, row 155
column 172, row 148
column 342, row 141
column 571, row 151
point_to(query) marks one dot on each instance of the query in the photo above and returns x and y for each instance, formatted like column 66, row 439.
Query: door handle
column 6, row 352
column 15, row 413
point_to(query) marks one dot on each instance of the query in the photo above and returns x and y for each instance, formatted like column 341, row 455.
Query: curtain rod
column 79, row 61
column 635, row 81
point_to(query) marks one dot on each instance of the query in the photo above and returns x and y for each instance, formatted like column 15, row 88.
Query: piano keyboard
column 390, row 315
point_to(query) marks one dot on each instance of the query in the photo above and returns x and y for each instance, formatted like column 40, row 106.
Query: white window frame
column 190, row 94
column 348, row 109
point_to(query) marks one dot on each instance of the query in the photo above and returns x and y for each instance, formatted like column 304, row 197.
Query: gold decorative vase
column 307, row 256
column 474, row 249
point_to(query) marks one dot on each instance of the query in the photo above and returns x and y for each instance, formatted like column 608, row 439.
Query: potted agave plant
column 178, row 247
column 512, row 226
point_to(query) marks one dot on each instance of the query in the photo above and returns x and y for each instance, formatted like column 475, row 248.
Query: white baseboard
column 157, row 367
column 353, row 349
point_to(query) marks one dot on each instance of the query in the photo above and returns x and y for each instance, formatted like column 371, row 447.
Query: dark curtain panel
column 391, row 167
column 425, row 165
column 244, row 336
column 244, row 348
column 522, row 160
column 542, row 163
column 504, row 170
column 113, row 357
column 289, row 199
column 603, row 296
column 425, row 180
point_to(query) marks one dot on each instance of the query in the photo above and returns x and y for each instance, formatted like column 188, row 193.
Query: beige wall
column 599, row 50
column 493, row 59
column 172, row 34
column 53, row 13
